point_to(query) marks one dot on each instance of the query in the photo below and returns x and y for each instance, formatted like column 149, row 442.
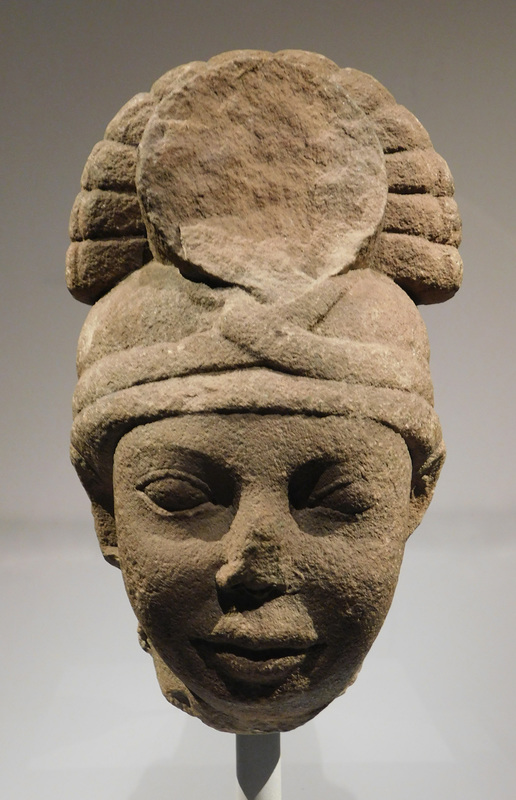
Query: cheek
column 349, row 585
column 164, row 560
column 171, row 584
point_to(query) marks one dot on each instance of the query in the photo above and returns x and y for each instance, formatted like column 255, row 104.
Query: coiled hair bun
column 358, row 183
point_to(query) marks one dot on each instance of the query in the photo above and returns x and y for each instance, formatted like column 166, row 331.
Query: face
column 260, row 553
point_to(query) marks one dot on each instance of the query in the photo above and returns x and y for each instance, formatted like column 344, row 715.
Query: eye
column 176, row 491
column 340, row 495
column 330, row 487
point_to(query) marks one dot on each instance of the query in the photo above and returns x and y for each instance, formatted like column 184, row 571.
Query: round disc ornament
column 243, row 182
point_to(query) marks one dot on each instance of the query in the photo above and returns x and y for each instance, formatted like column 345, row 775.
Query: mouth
column 262, row 664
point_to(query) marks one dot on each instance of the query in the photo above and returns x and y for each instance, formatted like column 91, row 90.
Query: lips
column 263, row 662
column 264, row 645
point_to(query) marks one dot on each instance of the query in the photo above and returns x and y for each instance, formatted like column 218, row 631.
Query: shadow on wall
column 180, row 776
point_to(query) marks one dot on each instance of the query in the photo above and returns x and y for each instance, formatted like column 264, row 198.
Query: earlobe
column 106, row 533
column 423, row 486
column 143, row 639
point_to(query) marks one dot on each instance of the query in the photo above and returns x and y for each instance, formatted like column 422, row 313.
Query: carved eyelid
column 319, row 494
column 176, row 474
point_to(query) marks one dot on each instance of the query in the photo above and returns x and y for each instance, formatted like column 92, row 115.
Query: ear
column 102, row 513
column 423, row 484
column 106, row 533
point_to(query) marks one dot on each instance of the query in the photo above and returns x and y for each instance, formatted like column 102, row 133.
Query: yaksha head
column 254, row 416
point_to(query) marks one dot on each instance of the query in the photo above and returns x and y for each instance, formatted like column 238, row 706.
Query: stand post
column 258, row 766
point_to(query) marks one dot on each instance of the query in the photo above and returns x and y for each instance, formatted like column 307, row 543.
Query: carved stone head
column 254, row 418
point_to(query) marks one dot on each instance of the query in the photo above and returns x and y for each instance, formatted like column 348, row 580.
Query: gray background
column 432, row 713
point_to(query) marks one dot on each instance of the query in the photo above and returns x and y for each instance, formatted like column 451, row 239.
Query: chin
column 253, row 705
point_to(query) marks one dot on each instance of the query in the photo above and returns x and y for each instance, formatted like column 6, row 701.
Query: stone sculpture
column 254, row 420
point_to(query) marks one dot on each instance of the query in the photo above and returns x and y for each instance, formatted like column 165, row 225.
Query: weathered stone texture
column 100, row 214
column 253, row 419
column 128, row 125
column 111, row 165
column 239, row 177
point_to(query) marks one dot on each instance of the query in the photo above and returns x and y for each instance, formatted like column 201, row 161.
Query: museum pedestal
column 258, row 767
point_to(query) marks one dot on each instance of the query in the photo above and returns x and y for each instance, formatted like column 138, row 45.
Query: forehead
column 253, row 444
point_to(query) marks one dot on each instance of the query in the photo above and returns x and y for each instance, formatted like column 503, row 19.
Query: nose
column 255, row 568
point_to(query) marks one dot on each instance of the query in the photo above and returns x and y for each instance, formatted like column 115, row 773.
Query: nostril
column 246, row 597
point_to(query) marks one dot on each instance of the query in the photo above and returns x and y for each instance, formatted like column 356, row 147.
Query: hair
column 421, row 228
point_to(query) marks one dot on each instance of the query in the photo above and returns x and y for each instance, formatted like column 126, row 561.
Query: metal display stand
column 258, row 766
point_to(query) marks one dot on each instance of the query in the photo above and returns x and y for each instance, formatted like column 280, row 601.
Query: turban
column 254, row 235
